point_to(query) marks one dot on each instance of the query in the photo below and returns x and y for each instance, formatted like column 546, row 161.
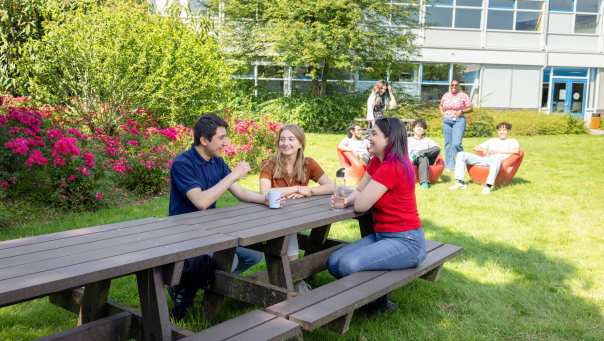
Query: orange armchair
column 508, row 169
column 434, row 171
column 355, row 169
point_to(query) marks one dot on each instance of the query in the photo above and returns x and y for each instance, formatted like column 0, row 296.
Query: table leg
column 318, row 237
column 94, row 302
column 365, row 224
column 212, row 302
column 278, row 264
column 154, row 309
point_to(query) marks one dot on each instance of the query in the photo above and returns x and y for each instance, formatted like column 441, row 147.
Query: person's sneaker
column 182, row 299
column 458, row 185
column 486, row 190
column 425, row 185
column 303, row 288
column 380, row 305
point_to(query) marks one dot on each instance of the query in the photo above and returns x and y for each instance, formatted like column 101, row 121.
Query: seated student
column 199, row 176
column 493, row 151
column 387, row 192
column 356, row 144
column 290, row 172
column 423, row 151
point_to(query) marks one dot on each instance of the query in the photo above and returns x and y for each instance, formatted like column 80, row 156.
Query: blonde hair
column 280, row 169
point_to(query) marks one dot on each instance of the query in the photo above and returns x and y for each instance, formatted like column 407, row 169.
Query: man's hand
column 241, row 169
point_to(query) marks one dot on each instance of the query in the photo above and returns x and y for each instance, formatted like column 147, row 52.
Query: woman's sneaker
column 486, row 190
column 458, row 185
column 182, row 297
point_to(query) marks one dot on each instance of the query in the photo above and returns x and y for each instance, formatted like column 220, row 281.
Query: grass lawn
column 533, row 265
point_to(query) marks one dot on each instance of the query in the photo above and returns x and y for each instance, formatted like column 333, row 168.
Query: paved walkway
column 596, row 131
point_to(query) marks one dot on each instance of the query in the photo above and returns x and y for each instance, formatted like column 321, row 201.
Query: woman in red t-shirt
column 388, row 190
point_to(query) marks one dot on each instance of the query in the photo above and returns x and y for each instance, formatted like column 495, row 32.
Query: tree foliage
column 318, row 34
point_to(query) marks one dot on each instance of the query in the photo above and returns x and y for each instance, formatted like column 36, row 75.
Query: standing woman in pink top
column 453, row 105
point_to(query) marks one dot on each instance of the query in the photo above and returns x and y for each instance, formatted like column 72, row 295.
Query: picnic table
column 75, row 268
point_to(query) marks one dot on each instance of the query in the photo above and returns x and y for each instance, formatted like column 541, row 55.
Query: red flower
column 74, row 132
column 67, row 146
column 36, row 158
column 99, row 196
column 84, row 171
column 133, row 143
column 89, row 160
column 54, row 134
column 242, row 127
column 72, row 178
column 18, row 146
column 4, row 184
column 170, row 133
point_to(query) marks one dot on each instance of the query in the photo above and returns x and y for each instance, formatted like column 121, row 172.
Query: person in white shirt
column 423, row 151
column 494, row 151
column 356, row 144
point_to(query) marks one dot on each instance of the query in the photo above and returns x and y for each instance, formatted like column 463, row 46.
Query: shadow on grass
column 492, row 291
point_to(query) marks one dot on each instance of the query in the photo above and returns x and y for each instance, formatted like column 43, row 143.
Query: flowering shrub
column 140, row 153
column 49, row 164
column 251, row 140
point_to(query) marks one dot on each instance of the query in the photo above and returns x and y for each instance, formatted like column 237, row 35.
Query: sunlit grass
column 532, row 266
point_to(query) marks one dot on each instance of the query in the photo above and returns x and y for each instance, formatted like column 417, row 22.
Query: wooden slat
column 31, row 286
column 247, row 289
column 70, row 233
column 331, row 289
column 332, row 308
column 154, row 309
column 102, row 253
column 116, row 327
column 233, row 326
column 277, row 329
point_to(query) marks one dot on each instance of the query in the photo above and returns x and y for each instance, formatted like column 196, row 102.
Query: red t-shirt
column 396, row 210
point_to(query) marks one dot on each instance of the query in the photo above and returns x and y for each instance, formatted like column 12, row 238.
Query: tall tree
column 319, row 34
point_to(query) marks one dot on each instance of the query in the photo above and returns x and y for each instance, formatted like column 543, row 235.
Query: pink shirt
column 451, row 102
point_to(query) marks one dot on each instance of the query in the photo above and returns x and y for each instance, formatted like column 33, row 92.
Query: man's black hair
column 419, row 122
column 206, row 127
column 350, row 130
column 507, row 125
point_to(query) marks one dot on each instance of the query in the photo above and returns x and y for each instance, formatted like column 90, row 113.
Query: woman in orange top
column 290, row 172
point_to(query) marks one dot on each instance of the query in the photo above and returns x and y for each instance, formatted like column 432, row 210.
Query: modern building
column 522, row 54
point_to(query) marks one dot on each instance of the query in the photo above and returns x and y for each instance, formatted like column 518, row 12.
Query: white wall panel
column 514, row 40
column 459, row 38
column 525, row 87
column 496, row 86
column 565, row 43
column 560, row 23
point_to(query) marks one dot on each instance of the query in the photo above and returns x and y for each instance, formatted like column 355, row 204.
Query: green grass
column 532, row 269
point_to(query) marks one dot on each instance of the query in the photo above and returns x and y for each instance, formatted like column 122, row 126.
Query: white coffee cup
column 274, row 199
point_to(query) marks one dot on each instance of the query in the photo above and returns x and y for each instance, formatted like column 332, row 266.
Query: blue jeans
column 379, row 251
column 493, row 162
column 453, row 131
column 244, row 259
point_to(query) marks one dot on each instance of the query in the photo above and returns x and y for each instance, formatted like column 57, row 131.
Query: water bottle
column 341, row 183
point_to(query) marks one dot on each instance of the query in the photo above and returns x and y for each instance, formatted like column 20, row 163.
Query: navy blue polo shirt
column 190, row 170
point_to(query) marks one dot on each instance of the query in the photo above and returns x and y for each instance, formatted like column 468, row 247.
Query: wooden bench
column 334, row 304
column 253, row 326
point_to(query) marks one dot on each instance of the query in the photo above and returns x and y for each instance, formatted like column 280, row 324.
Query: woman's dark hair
column 206, row 127
column 350, row 130
column 419, row 122
column 397, row 148
column 507, row 125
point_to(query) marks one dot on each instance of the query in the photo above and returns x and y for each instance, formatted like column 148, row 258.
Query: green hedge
column 482, row 122
column 120, row 57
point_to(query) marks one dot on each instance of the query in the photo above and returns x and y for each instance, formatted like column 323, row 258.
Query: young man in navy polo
column 199, row 176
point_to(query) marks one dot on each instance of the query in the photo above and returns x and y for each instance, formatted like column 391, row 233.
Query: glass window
column 467, row 18
column 528, row 21
column 441, row 2
column 401, row 15
column 474, row 3
column 270, row 71
column 439, row 16
column 372, row 74
column 404, row 73
column 198, row 7
column 590, row 6
column 501, row 4
column 466, row 73
column 500, row 20
column 432, row 92
column 561, row 5
column 436, row 72
column 585, row 23
column 547, row 72
column 301, row 72
column 529, row 4
column 339, row 74
column 570, row 72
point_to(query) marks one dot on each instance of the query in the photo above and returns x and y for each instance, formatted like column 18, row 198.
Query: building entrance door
column 568, row 95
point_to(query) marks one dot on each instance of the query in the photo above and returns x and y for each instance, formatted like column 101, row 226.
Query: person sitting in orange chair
column 495, row 150
column 423, row 151
column 356, row 144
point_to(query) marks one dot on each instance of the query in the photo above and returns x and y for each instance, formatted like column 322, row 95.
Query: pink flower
column 84, row 171
column 148, row 164
column 245, row 148
column 54, row 134
column 133, row 143
column 4, row 184
column 74, row 132
column 72, row 178
column 66, row 146
column 274, row 126
column 242, row 127
column 3, row 119
column 170, row 133
column 89, row 160
column 14, row 130
column 18, row 146
column 99, row 196
column 229, row 150
column 36, row 158
column 120, row 166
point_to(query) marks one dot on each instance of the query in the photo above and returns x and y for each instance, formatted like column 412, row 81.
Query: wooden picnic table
column 154, row 249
